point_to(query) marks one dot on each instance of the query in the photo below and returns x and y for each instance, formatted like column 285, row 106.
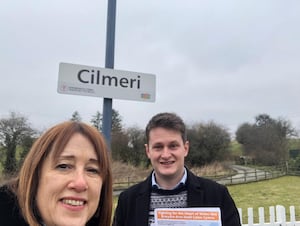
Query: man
column 171, row 184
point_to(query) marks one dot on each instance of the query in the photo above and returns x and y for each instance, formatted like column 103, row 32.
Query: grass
column 280, row 191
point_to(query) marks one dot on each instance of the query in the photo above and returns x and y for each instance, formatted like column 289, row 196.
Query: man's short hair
column 169, row 121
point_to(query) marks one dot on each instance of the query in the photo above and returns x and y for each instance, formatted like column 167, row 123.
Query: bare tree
column 13, row 132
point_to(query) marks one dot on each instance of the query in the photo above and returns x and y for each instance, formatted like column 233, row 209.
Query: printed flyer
column 187, row 217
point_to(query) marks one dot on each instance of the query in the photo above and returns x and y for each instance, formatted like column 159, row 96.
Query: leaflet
column 187, row 216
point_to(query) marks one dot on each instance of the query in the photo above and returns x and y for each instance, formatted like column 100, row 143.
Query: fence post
column 250, row 216
column 266, row 175
column 292, row 215
column 241, row 214
column 261, row 216
column 256, row 179
column 272, row 215
column 280, row 215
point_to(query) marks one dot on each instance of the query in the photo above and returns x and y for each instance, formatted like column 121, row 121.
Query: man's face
column 166, row 151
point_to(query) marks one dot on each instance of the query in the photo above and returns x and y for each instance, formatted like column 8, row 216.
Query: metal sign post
column 109, row 63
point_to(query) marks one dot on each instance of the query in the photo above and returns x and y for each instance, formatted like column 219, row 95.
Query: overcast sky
column 225, row 61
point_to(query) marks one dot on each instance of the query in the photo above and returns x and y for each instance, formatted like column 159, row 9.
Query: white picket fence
column 277, row 217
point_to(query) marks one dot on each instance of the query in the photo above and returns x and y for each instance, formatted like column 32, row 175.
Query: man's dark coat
column 133, row 204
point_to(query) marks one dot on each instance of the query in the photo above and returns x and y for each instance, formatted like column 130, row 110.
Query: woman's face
column 69, row 188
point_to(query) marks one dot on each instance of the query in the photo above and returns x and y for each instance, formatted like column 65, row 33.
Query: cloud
column 214, row 60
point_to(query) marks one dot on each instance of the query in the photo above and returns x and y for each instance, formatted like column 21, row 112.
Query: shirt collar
column 181, row 182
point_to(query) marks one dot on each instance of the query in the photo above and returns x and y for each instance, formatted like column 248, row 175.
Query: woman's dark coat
column 9, row 209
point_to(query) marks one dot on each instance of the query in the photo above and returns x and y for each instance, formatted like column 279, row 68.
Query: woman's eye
column 93, row 170
column 63, row 166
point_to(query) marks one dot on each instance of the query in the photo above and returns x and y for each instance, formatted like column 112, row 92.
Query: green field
column 280, row 191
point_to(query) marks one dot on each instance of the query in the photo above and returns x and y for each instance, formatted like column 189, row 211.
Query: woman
column 65, row 180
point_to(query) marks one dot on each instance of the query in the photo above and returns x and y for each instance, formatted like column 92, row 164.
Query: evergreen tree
column 97, row 120
column 76, row 117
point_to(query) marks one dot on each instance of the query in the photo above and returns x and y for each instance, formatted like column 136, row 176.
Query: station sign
column 84, row 80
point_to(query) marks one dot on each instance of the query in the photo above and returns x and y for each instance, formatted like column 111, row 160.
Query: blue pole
column 109, row 63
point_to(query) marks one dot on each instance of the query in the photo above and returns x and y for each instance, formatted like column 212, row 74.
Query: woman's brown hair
column 54, row 140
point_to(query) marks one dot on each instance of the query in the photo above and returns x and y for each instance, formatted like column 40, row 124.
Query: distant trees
column 136, row 147
column 119, row 140
column 15, row 131
column 266, row 139
column 127, row 145
column 208, row 142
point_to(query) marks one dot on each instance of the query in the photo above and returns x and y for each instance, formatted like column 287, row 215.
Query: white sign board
column 201, row 216
column 84, row 80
